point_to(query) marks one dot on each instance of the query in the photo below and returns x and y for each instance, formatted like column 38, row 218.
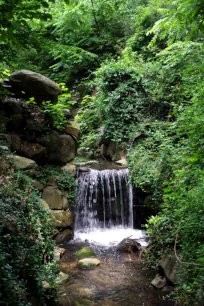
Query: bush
column 26, row 244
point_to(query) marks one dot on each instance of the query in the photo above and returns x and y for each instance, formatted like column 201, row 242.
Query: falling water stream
column 104, row 217
column 104, row 209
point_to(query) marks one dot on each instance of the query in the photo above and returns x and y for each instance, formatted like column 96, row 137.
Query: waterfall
column 104, row 200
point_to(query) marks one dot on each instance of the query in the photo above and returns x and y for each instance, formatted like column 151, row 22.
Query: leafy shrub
column 26, row 244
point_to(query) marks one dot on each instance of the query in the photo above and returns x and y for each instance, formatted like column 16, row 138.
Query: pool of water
column 120, row 279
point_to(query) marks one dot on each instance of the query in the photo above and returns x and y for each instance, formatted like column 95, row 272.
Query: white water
column 110, row 237
column 104, row 208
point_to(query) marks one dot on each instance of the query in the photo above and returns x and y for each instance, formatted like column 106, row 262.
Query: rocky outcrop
column 61, row 149
column 128, row 245
column 168, row 264
column 25, row 125
column 33, row 84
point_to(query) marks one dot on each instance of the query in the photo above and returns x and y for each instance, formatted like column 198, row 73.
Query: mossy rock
column 85, row 252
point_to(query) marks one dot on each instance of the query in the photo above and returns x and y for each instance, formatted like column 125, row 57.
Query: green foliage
column 181, row 19
column 26, row 244
column 64, row 180
column 151, row 157
column 15, row 16
column 89, row 119
column 56, row 112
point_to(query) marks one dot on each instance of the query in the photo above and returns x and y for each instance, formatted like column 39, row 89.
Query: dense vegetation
column 135, row 68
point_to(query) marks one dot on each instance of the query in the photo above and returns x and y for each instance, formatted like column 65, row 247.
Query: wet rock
column 168, row 264
column 85, row 252
column 53, row 196
column 89, row 263
column 64, row 236
column 23, row 163
column 62, row 219
column 159, row 281
column 128, row 245
column 34, row 85
column 70, row 168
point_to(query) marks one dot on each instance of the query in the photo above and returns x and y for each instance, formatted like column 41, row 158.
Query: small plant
column 56, row 112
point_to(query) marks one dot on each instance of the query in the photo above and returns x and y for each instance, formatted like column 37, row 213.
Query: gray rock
column 33, row 151
column 89, row 263
column 35, row 85
column 159, row 281
column 128, row 245
column 61, row 149
column 53, row 196
column 62, row 218
column 70, row 168
column 23, row 163
column 64, row 236
column 168, row 264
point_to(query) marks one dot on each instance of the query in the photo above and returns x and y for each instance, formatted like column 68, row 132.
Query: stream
column 106, row 213
column 120, row 280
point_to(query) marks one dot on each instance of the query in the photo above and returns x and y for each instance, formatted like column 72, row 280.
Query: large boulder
column 23, row 163
column 168, row 264
column 61, row 149
column 62, row 218
column 33, row 151
column 53, row 196
column 128, row 245
column 34, row 85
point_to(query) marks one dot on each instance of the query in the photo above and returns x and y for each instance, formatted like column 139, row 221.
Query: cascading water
column 104, row 206
column 105, row 199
